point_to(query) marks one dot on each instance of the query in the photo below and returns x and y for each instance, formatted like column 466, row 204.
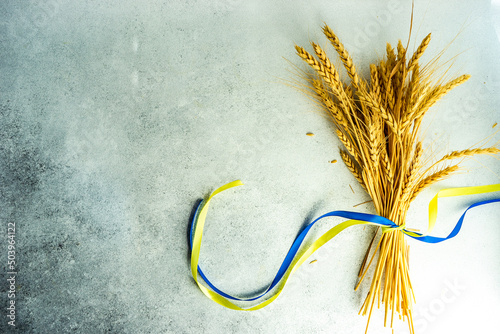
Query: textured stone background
column 117, row 116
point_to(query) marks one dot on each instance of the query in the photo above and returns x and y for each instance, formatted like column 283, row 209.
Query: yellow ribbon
column 453, row 192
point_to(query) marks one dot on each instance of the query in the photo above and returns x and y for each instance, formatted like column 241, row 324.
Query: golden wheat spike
column 386, row 163
column 334, row 74
column 419, row 52
column 343, row 54
column 413, row 87
column 391, row 56
column 401, row 50
column 348, row 144
column 317, row 66
column 412, row 171
column 372, row 103
column 434, row 96
column 470, row 152
column 327, row 101
column 375, row 85
column 387, row 92
column 348, row 92
column 352, row 167
column 374, row 143
column 415, row 161
column 433, row 178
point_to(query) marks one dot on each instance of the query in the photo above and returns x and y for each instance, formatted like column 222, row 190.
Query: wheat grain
column 401, row 50
column 348, row 92
column 387, row 166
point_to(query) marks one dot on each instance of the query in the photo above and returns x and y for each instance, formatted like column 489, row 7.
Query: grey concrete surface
column 117, row 116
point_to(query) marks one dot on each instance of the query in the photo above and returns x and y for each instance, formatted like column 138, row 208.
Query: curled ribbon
column 296, row 256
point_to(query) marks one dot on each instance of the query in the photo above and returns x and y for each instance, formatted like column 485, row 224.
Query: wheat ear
column 352, row 167
column 370, row 101
column 412, row 171
column 420, row 50
column 433, row 178
column 334, row 74
column 343, row 54
column 348, row 144
column 468, row 153
column 434, row 96
column 317, row 66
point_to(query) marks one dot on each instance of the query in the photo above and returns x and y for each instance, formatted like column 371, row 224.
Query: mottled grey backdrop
column 117, row 116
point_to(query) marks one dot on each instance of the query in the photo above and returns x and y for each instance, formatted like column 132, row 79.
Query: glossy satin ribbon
column 296, row 256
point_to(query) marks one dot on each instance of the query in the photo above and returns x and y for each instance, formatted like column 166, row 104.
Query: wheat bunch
column 378, row 123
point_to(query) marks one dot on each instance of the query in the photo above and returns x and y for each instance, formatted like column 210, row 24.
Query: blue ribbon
column 344, row 214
